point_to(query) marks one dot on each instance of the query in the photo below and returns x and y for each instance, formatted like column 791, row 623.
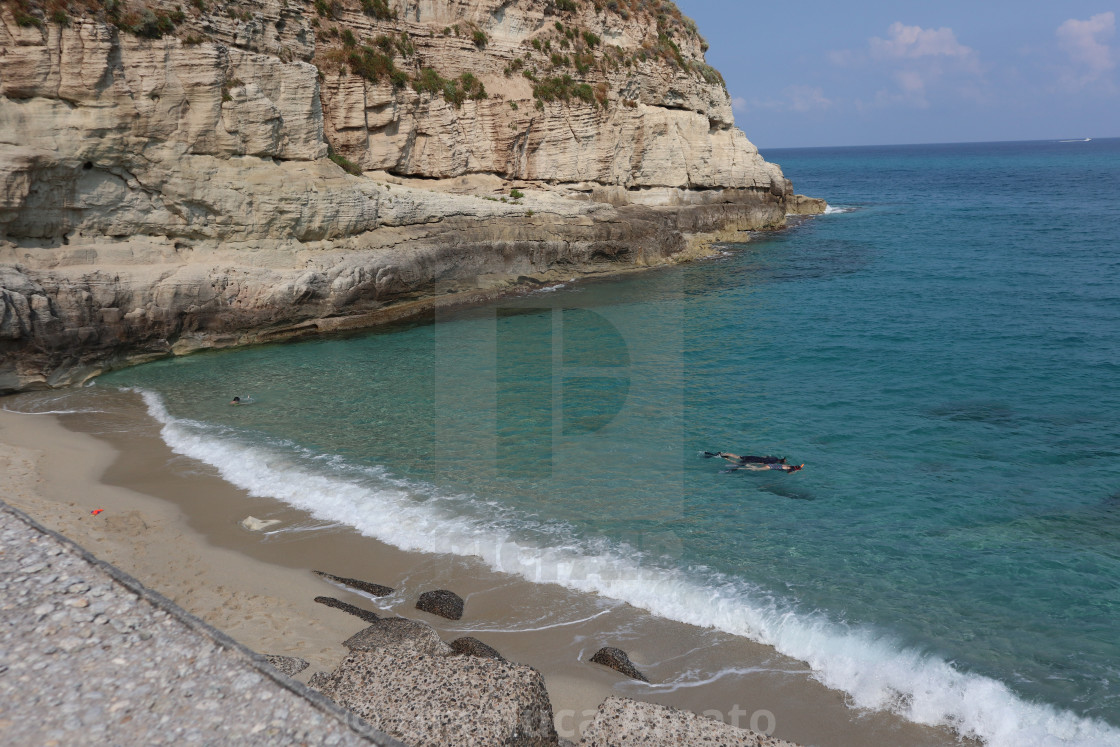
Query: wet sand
column 174, row 524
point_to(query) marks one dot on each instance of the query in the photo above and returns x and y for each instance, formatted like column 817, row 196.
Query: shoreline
column 416, row 310
column 259, row 588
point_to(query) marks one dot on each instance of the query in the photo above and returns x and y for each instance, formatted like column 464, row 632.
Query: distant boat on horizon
column 1079, row 140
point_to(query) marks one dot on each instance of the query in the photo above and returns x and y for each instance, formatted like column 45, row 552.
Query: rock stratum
column 175, row 177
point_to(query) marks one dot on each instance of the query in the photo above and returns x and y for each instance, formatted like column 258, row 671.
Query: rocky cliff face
column 165, row 182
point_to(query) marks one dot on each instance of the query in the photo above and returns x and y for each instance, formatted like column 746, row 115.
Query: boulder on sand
column 441, row 602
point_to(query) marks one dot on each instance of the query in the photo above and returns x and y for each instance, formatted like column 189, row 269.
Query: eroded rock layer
column 178, row 177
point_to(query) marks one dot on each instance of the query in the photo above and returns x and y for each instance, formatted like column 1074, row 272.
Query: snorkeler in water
column 760, row 467
column 736, row 459
column 754, row 463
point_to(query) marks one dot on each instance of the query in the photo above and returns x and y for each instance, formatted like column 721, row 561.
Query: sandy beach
column 175, row 525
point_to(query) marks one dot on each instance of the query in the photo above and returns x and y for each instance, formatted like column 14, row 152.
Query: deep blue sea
column 941, row 350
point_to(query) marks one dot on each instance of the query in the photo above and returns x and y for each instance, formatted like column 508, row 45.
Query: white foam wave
column 691, row 680
column 49, row 412
column 532, row 630
column 838, row 209
column 873, row 669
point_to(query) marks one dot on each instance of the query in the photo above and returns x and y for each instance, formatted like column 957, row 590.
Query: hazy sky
column 878, row 72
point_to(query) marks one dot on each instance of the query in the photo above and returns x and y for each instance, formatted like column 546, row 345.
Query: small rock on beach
column 289, row 665
column 376, row 590
column 338, row 604
column 441, row 602
column 616, row 659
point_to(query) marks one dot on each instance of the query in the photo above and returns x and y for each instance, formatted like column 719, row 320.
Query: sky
column 816, row 73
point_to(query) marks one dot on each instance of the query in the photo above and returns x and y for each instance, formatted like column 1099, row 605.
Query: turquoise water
column 942, row 351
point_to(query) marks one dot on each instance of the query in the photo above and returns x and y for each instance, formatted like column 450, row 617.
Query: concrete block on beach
column 399, row 634
column 444, row 700
column 621, row 722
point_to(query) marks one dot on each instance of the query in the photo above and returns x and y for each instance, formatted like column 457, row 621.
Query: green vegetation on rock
column 455, row 90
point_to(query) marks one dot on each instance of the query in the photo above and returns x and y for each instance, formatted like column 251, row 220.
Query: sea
column 940, row 349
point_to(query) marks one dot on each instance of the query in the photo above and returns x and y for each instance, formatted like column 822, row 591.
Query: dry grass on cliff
column 143, row 19
column 566, row 50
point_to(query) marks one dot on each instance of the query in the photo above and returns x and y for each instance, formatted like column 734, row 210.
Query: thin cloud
column 1084, row 43
column 915, row 63
column 800, row 99
column 911, row 42
column 911, row 91
column 807, row 98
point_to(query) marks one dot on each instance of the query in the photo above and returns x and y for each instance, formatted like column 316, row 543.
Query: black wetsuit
column 755, row 459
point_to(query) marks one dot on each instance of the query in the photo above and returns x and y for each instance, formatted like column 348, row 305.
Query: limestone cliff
column 175, row 177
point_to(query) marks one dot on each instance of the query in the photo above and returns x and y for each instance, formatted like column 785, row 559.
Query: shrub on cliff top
column 669, row 50
column 563, row 88
column 405, row 45
column 375, row 66
column 455, row 90
column 385, row 43
column 378, row 9
column 709, row 74
column 26, row 20
column 328, row 9
column 152, row 25
column 472, row 87
column 428, row 81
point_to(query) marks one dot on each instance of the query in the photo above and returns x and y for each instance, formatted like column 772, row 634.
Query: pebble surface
column 89, row 656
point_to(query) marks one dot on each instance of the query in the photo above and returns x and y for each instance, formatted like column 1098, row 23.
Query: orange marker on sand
column 96, row 511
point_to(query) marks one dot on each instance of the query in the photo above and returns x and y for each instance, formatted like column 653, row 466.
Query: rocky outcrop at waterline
column 177, row 177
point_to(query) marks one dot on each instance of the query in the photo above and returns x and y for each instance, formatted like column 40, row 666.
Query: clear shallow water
column 944, row 357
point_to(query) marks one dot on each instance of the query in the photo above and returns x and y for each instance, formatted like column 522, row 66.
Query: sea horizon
column 1069, row 139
